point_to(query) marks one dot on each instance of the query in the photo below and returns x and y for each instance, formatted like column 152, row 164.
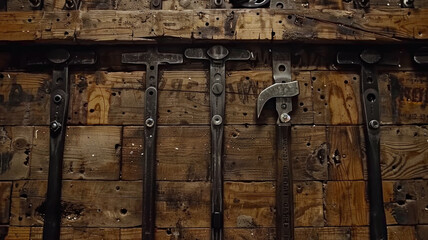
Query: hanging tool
column 152, row 59
column 421, row 56
column 250, row 3
column 282, row 90
column 368, row 59
column 60, row 59
column 217, row 55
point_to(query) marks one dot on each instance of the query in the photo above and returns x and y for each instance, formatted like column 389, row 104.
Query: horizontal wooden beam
column 313, row 25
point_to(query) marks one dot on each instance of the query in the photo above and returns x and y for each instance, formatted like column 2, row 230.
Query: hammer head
column 368, row 56
column 277, row 90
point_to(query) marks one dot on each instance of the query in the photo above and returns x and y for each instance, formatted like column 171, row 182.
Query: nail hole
column 152, row 67
column 91, row 110
column 65, row 33
column 207, row 24
column 305, row 109
column 151, row 92
column 289, row 17
column 346, row 81
column 123, row 211
column 281, row 68
column 117, row 188
column 314, row 78
column 280, row 5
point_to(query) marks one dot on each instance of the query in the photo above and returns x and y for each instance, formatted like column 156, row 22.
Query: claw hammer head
column 277, row 91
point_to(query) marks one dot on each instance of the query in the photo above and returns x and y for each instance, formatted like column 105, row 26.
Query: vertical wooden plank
column 5, row 191
column 336, row 98
column 345, row 203
column 308, row 204
column 346, row 163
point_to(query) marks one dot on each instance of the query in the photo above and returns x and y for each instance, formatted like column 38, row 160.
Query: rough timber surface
column 104, row 145
column 386, row 25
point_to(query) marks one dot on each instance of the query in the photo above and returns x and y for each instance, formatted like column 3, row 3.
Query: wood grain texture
column 309, row 153
column 16, row 144
column 336, row 98
column 308, row 204
column 249, row 205
column 177, row 159
column 84, row 203
column 90, row 153
column 345, row 153
column 5, row 191
column 312, row 25
column 346, row 204
column 403, row 97
column 24, row 98
column 404, row 152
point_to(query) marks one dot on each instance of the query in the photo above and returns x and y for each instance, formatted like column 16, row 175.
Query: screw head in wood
column 374, row 124
column 217, row 120
column 150, row 122
column 284, row 118
column 55, row 126
column 217, row 88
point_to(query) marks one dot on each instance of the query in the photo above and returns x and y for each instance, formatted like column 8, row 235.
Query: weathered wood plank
column 183, row 204
column 90, row 153
column 24, row 98
column 346, row 163
column 249, row 153
column 201, row 233
column 85, row 203
column 309, row 153
column 68, row 233
column 177, row 159
column 325, row 233
column 336, row 98
column 5, row 190
column 18, row 233
column 346, row 204
column 404, row 97
column 16, row 144
column 315, row 24
column 249, row 205
column 394, row 233
column 308, row 204
column 404, row 152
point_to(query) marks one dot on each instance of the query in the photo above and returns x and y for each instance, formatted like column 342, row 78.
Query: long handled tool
column 152, row 59
column 367, row 59
column 60, row 59
column 217, row 55
column 282, row 90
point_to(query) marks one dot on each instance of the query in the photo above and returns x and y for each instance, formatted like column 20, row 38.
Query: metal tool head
column 217, row 53
column 152, row 57
column 368, row 56
column 277, row 90
column 61, row 56
column 421, row 56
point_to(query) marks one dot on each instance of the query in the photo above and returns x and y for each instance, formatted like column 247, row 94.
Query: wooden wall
column 104, row 145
